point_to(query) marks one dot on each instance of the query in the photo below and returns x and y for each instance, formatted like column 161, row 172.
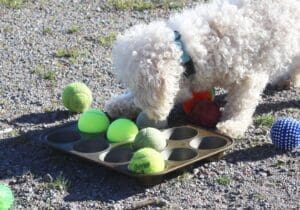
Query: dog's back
column 237, row 37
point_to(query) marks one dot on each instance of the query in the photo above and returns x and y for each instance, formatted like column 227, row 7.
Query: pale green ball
column 77, row 97
column 93, row 121
column 6, row 197
column 150, row 137
column 146, row 161
column 122, row 130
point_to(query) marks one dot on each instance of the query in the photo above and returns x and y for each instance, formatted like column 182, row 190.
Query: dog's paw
column 231, row 128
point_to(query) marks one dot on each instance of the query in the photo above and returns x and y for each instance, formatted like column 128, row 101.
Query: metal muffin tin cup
column 185, row 145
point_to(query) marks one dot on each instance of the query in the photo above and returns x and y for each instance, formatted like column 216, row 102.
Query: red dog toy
column 198, row 96
column 205, row 113
column 201, row 109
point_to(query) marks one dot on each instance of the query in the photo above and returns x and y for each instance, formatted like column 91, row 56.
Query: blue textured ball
column 285, row 133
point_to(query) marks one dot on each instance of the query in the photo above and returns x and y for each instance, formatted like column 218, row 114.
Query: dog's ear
column 147, row 60
column 157, row 86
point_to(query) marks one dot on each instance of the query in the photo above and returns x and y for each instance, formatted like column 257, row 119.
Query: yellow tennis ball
column 122, row 130
column 146, row 161
column 93, row 121
column 77, row 97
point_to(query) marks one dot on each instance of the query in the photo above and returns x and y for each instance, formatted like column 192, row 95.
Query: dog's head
column 147, row 60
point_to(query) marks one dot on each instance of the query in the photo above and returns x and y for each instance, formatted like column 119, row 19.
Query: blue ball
column 285, row 133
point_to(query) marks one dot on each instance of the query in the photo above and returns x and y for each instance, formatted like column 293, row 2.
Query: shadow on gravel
column 26, row 156
column 277, row 106
column 256, row 153
column 43, row 117
column 21, row 154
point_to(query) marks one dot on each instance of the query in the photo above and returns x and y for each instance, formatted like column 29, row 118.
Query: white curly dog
column 237, row 45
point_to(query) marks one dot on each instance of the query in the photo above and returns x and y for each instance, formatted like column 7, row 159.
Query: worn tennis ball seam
column 147, row 161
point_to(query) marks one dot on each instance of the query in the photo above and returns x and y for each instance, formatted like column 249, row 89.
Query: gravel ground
column 252, row 175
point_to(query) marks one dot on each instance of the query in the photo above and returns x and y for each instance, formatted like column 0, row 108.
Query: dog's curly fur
column 238, row 45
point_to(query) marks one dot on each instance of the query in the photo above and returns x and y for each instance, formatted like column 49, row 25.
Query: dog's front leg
column 296, row 72
column 242, row 99
column 122, row 106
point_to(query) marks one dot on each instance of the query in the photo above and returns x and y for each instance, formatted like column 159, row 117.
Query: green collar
column 185, row 58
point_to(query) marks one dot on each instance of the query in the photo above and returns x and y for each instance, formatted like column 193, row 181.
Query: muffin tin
column 185, row 145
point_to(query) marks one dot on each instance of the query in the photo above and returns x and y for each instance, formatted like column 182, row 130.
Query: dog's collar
column 185, row 58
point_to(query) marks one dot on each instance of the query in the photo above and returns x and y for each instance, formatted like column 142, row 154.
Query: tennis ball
column 122, row 130
column 77, row 97
column 146, row 161
column 143, row 121
column 150, row 137
column 93, row 121
column 6, row 197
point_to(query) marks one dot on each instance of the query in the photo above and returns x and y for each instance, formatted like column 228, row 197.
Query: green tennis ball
column 122, row 130
column 77, row 97
column 150, row 137
column 6, row 197
column 146, row 161
column 93, row 121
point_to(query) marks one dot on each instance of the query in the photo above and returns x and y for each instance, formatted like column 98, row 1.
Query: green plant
column 14, row 133
column 293, row 110
column 47, row 30
column 107, row 40
column 223, row 180
column 73, row 60
column 60, row 183
column 146, row 5
column 184, row 176
column 264, row 120
column 173, row 4
column 279, row 163
column 7, row 29
column 257, row 196
column 131, row 4
column 49, row 75
column 38, row 70
column 73, row 29
column 67, row 53
column 43, row 73
column 14, row 4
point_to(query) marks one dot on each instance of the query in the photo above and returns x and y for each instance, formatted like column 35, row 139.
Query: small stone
column 258, row 131
column 283, row 169
column 264, row 174
column 13, row 181
column 195, row 171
